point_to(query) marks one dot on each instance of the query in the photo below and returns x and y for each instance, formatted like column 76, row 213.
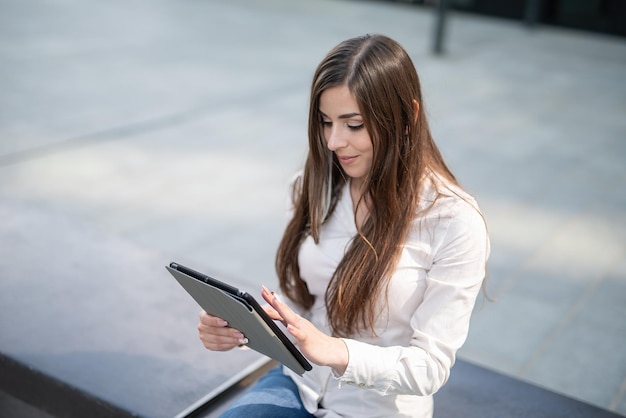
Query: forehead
column 338, row 100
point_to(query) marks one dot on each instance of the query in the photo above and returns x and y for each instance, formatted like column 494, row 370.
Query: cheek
column 369, row 151
column 365, row 144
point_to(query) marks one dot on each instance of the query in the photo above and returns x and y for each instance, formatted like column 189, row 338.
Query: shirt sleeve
column 440, row 323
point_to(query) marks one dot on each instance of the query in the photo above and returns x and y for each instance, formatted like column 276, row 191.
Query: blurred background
column 141, row 132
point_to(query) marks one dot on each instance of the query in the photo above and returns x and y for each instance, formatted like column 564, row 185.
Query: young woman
column 383, row 257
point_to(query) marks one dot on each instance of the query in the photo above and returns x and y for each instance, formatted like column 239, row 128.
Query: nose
column 334, row 139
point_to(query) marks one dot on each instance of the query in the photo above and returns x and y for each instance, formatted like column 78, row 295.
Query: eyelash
column 351, row 127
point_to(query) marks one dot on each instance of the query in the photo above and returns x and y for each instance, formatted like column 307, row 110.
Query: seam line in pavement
column 136, row 128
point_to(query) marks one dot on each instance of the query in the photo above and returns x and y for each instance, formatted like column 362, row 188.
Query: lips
column 345, row 160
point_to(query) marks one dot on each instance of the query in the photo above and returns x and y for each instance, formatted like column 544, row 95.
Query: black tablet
column 243, row 313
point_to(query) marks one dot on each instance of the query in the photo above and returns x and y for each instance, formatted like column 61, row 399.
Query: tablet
column 243, row 313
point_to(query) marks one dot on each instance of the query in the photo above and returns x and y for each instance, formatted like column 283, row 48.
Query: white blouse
column 425, row 320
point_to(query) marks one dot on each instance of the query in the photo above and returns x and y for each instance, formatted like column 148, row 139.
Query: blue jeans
column 275, row 395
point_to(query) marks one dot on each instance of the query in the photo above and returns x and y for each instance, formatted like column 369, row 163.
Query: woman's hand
column 318, row 347
column 216, row 335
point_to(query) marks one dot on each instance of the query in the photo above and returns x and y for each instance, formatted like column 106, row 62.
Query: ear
column 416, row 110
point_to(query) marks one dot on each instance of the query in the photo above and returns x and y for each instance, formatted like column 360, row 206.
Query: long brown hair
column 383, row 80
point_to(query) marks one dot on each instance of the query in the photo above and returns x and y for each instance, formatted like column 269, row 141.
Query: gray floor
column 174, row 126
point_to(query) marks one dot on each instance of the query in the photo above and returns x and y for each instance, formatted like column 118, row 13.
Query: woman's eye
column 356, row 127
column 326, row 123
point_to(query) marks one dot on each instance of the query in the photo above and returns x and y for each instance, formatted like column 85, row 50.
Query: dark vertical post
column 442, row 8
column 531, row 14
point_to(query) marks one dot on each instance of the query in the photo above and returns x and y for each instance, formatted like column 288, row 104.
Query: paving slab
column 133, row 134
column 103, row 319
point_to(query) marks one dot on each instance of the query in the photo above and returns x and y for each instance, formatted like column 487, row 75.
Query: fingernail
column 238, row 335
column 265, row 289
column 222, row 323
column 243, row 341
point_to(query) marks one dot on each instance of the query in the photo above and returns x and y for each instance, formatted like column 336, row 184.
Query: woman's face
column 345, row 133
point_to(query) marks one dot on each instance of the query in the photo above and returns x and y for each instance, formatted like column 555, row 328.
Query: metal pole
column 442, row 8
column 531, row 15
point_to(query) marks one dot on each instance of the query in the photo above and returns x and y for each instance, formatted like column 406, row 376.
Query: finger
column 219, row 331
column 298, row 333
column 211, row 320
column 217, row 335
column 288, row 315
column 221, row 343
column 273, row 314
column 220, row 338
column 267, row 294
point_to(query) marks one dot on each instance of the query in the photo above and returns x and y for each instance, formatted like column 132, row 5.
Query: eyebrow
column 344, row 116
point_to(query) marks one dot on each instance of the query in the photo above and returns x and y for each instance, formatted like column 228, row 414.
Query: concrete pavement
column 172, row 129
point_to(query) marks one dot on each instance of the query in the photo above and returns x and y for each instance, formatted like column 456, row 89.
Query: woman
column 383, row 257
